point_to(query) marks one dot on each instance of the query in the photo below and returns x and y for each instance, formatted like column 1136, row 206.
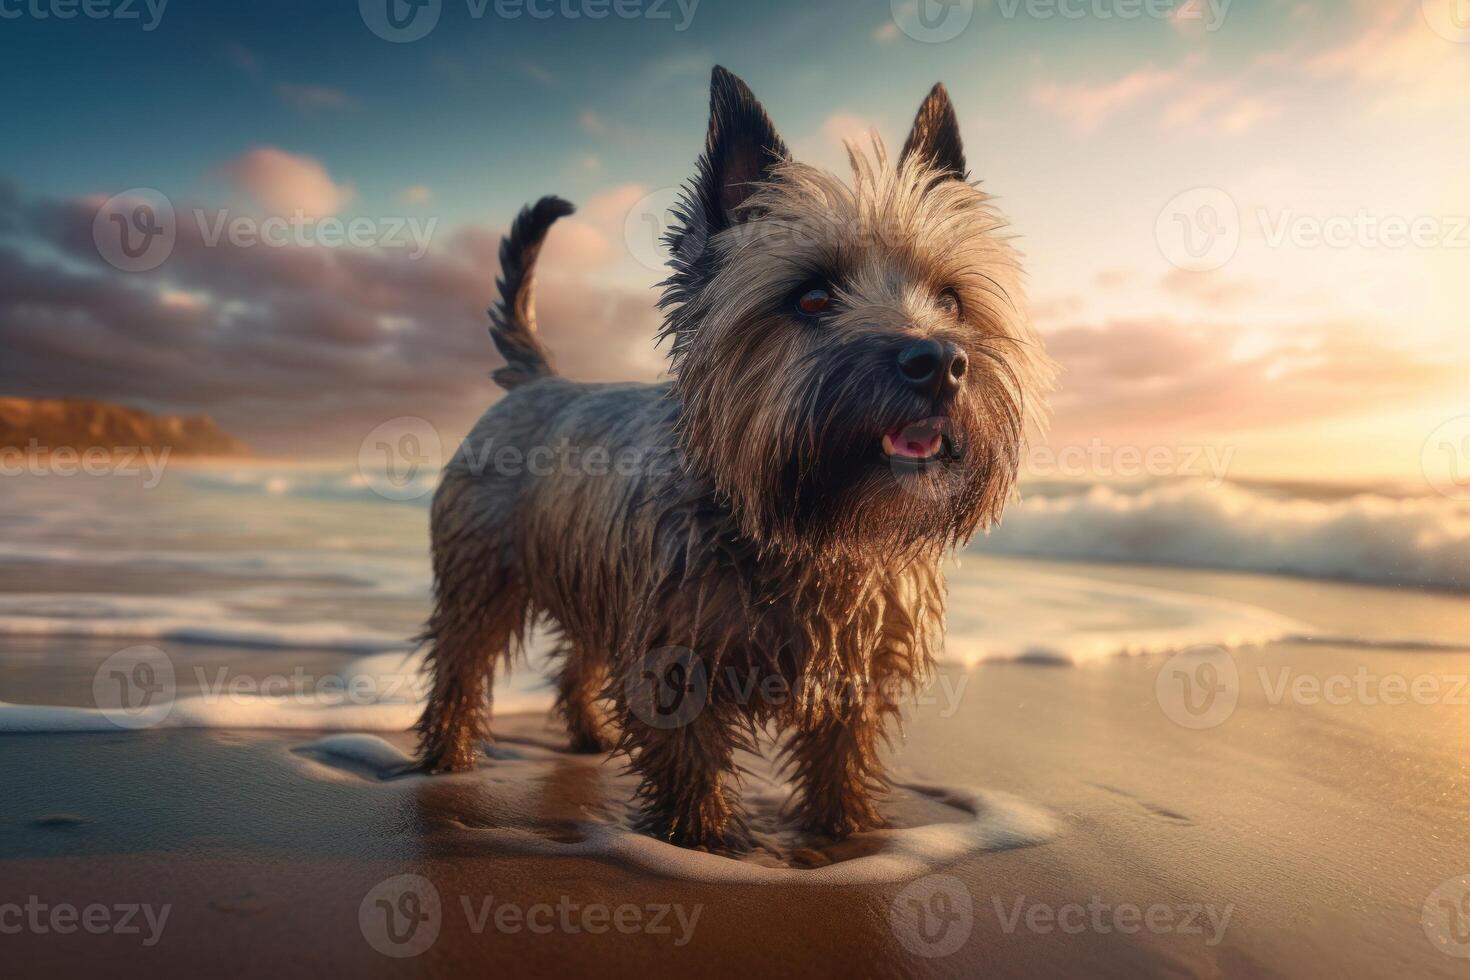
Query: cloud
column 244, row 59
column 886, row 32
column 1182, row 94
column 845, row 126
column 1160, row 376
column 296, row 350
column 1209, row 289
column 303, row 98
column 1222, row 104
column 610, row 208
column 1114, row 278
column 309, row 98
column 587, row 240
column 286, row 183
column 1053, row 309
column 592, row 122
column 537, row 72
column 1399, row 56
column 1088, row 106
column 1247, row 113
column 417, row 194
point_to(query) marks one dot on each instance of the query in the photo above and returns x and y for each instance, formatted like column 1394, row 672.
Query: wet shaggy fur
column 731, row 552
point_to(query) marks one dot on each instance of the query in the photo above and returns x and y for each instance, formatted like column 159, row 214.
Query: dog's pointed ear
column 741, row 150
column 936, row 135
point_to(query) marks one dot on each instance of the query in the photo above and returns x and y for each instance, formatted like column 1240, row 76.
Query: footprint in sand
column 1152, row 809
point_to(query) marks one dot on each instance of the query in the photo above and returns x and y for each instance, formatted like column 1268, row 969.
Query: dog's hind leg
column 479, row 617
column 579, row 684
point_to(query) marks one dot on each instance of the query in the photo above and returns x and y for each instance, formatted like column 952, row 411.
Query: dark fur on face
column 853, row 376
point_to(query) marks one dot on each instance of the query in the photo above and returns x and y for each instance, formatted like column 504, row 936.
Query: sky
column 1245, row 223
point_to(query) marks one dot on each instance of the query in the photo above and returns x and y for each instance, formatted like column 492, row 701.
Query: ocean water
column 294, row 561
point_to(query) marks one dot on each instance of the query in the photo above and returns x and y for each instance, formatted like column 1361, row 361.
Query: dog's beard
column 876, row 472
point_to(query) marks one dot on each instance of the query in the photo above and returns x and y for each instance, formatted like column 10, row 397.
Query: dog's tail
column 513, row 318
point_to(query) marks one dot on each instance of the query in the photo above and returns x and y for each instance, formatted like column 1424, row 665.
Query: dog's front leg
column 684, row 757
column 833, row 754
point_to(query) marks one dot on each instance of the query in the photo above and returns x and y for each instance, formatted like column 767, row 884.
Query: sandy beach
column 1284, row 837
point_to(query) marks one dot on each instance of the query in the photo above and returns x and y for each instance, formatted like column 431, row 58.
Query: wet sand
column 1288, row 839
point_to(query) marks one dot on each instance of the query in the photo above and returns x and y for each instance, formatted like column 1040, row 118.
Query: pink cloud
column 1209, row 289
column 1159, row 376
column 1403, row 56
column 841, row 127
column 286, row 183
column 1088, row 106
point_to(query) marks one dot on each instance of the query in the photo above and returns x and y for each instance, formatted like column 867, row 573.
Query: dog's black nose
column 932, row 366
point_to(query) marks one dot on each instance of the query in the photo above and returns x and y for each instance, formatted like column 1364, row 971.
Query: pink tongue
column 918, row 442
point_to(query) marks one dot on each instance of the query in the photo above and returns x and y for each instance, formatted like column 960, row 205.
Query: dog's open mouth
column 916, row 442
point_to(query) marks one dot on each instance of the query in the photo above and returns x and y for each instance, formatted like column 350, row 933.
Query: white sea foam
column 989, row 821
column 1027, row 614
column 1362, row 537
column 382, row 693
column 180, row 619
column 996, row 821
column 324, row 483
column 350, row 567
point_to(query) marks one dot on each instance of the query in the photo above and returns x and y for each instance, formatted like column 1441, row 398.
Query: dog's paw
column 443, row 763
column 838, row 823
column 590, row 743
column 722, row 832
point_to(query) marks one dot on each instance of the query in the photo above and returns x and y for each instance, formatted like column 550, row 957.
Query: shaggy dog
column 758, row 543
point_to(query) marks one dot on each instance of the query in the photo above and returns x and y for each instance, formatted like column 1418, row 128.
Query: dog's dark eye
column 949, row 303
column 813, row 300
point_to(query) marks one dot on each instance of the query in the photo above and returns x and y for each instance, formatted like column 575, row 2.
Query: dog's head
column 854, row 362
